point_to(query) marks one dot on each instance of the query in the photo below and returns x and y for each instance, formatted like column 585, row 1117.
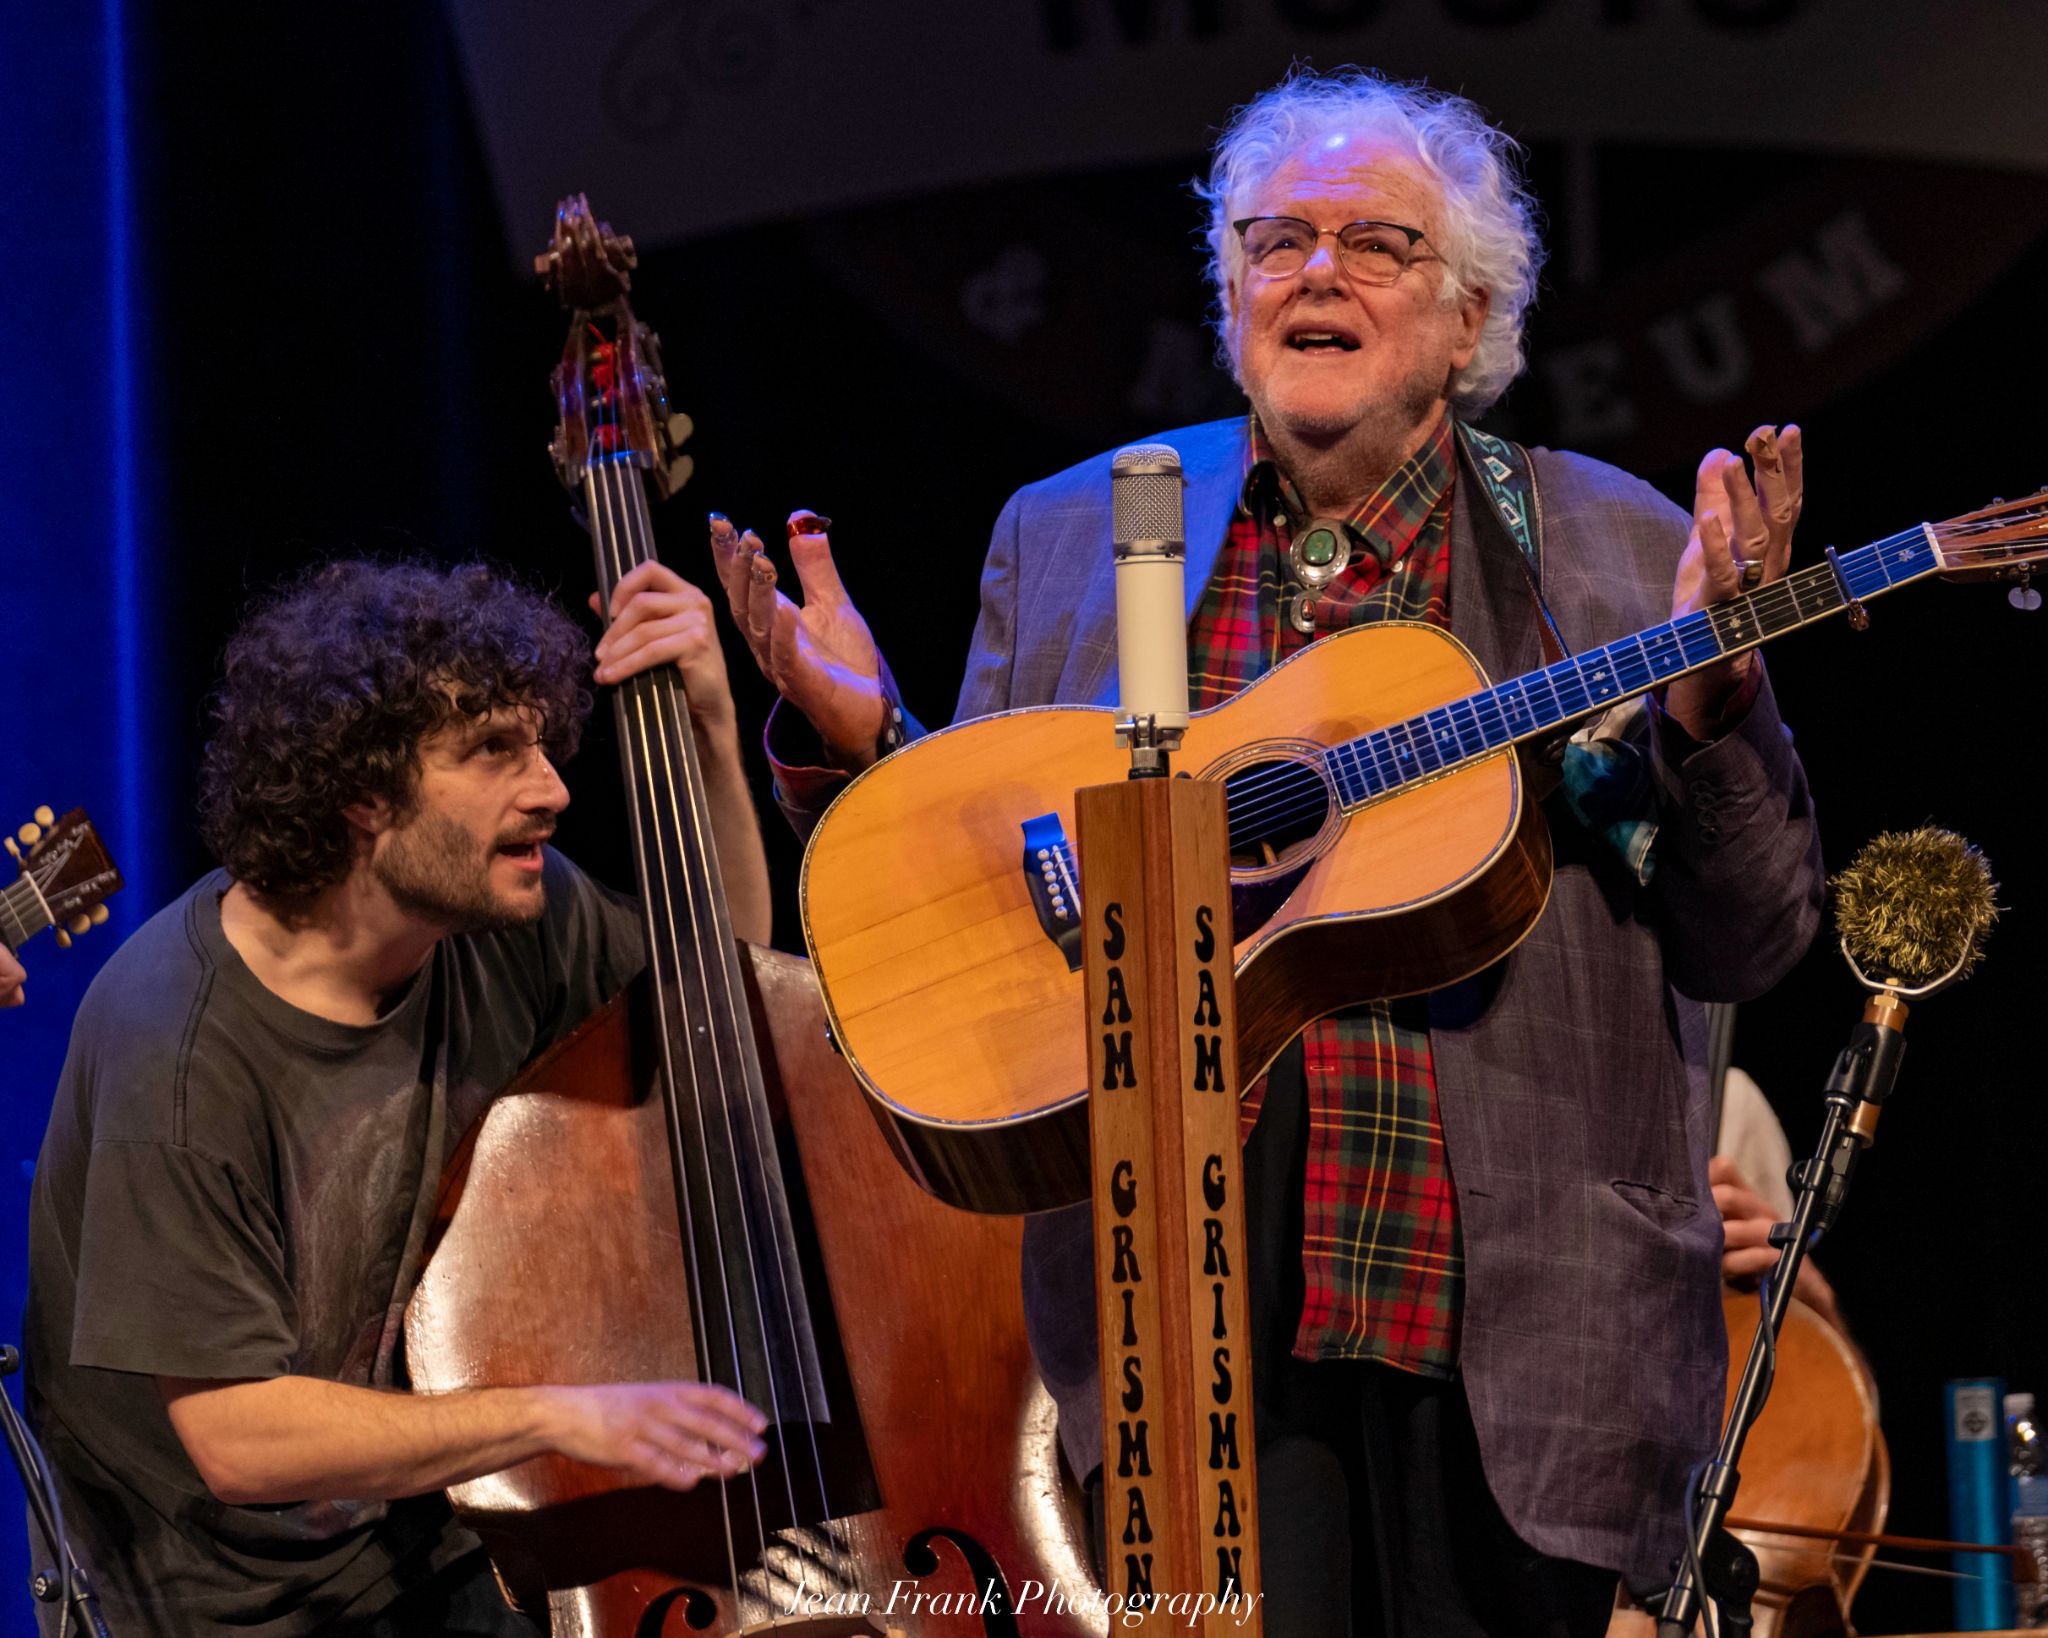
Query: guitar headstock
column 65, row 876
column 610, row 393
column 2007, row 540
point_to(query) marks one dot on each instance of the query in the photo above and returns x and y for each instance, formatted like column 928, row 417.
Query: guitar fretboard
column 1404, row 753
column 21, row 913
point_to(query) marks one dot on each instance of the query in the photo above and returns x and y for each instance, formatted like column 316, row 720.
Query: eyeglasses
column 1370, row 252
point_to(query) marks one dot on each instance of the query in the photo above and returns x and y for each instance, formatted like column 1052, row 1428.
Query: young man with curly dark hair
column 266, row 1082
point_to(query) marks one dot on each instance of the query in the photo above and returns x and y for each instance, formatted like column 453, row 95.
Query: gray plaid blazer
column 1571, row 1076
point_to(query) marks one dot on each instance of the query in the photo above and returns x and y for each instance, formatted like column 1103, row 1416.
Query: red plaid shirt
column 1384, row 1266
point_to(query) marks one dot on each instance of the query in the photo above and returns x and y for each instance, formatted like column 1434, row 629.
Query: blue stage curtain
column 83, row 722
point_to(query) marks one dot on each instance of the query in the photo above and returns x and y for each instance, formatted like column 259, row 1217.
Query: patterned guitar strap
column 1605, row 772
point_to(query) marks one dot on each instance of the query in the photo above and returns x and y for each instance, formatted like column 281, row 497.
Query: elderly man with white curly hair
column 1488, row 1346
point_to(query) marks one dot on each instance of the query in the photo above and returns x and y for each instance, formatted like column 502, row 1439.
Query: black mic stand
column 1715, row 1561
column 68, row 1580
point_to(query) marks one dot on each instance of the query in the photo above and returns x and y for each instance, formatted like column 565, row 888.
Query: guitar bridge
column 1054, row 884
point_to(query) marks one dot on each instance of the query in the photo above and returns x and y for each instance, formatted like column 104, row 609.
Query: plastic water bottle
column 2029, row 1468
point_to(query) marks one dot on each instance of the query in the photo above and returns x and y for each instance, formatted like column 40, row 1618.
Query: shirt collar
column 1386, row 516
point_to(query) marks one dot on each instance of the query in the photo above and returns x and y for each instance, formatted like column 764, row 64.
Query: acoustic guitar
column 63, row 878
column 1383, row 844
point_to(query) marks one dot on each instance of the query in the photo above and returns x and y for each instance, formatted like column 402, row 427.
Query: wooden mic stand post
column 1172, row 1311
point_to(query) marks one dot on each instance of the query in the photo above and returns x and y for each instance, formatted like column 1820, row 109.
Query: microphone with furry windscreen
column 1912, row 911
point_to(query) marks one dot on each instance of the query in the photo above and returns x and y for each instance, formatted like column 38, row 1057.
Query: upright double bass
column 626, row 1211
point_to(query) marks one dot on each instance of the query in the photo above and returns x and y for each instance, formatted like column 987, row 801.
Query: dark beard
column 433, row 870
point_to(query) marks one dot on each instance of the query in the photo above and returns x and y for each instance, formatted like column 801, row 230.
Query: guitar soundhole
column 1277, row 808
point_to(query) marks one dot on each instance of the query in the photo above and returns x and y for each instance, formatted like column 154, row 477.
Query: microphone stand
column 1715, row 1562
column 48, row 1585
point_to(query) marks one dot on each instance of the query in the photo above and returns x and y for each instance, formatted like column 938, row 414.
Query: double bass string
column 605, row 531
column 672, row 1007
column 631, row 540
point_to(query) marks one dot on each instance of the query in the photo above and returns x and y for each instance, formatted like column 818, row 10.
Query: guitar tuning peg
column 8, row 842
column 30, row 834
column 80, row 924
column 99, row 915
column 2024, row 597
column 679, row 471
column 63, row 939
column 680, row 426
column 44, row 817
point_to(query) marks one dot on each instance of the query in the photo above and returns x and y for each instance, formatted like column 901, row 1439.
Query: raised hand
column 1741, row 538
column 820, row 656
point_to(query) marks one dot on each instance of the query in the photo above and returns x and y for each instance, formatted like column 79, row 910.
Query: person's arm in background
column 1747, row 1254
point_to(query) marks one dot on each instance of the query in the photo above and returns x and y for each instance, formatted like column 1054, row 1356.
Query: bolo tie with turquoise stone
column 1317, row 554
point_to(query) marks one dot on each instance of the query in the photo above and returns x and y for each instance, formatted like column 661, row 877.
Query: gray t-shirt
column 230, row 1187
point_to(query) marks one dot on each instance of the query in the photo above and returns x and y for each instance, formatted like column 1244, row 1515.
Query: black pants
column 1375, row 1520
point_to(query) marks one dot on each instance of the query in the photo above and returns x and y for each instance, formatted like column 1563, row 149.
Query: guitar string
column 1419, row 731
column 726, row 959
column 1292, row 782
column 35, row 891
column 1416, row 729
column 1573, row 672
column 1291, row 785
column 666, row 697
column 11, row 895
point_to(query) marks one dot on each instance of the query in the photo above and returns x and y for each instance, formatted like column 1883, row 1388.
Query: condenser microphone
column 1151, row 603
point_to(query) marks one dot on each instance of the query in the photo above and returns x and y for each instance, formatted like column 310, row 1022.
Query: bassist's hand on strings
column 665, row 1433
column 12, row 977
column 1741, row 539
column 820, row 656
column 659, row 618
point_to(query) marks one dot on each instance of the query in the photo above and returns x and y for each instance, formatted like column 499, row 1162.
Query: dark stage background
column 267, row 307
